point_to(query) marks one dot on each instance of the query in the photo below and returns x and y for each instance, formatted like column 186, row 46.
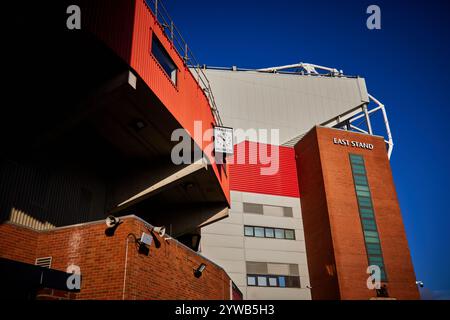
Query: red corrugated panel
column 247, row 177
column 127, row 27
column 186, row 102
column 112, row 22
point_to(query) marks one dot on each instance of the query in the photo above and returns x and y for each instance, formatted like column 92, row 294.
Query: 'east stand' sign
column 354, row 144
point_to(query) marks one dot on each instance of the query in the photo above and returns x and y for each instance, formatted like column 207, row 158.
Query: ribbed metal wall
column 247, row 177
column 40, row 198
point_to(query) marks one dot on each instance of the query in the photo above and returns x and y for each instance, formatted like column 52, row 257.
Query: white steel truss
column 309, row 68
column 347, row 121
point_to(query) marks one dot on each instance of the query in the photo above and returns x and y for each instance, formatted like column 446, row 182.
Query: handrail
column 183, row 50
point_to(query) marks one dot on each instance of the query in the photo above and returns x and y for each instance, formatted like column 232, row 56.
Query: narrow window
column 164, row 60
column 366, row 212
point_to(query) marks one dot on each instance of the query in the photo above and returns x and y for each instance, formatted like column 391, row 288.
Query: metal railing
column 173, row 34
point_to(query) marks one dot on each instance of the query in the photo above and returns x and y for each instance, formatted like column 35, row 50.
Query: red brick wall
column 166, row 273
column 316, row 222
column 343, row 215
column 18, row 243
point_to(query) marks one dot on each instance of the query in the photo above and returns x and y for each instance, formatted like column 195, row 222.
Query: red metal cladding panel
column 112, row 22
column 127, row 27
column 186, row 101
column 248, row 176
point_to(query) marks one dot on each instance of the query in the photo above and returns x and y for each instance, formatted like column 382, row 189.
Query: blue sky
column 406, row 66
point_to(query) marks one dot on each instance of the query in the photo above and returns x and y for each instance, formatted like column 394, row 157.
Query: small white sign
column 223, row 140
column 146, row 239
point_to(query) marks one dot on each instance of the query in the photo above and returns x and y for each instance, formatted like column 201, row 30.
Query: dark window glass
column 267, row 232
column 290, row 234
column 293, row 282
column 164, row 59
column 361, row 180
column 367, row 215
column 273, row 281
column 358, row 169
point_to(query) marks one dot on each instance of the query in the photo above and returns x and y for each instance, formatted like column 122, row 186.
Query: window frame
column 163, row 51
column 264, row 232
column 367, row 213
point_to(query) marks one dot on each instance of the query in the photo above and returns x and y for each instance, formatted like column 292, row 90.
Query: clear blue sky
column 406, row 65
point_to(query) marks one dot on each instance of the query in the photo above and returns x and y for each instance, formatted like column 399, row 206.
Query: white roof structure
column 292, row 99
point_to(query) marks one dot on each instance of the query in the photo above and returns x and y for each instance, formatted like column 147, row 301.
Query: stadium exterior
column 310, row 230
column 303, row 218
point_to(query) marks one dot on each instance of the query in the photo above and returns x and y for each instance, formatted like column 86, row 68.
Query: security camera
column 161, row 231
column 112, row 222
column 419, row 283
column 199, row 271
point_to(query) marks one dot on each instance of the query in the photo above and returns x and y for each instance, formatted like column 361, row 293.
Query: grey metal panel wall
column 41, row 198
column 291, row 103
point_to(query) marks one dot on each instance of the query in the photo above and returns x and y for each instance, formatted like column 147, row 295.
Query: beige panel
column 258, row 293
column 292, row 103
column 274, row 211
column 232, row 265
column 256, row 267
column 236, row 196
column 239, row 279
column 217, row 240
column 215, row 253
column 270, row 200
column 224, row 228
column 233, row 218
column 294, row 270
column 278, row 269
column 237, row 206
column 275, row 256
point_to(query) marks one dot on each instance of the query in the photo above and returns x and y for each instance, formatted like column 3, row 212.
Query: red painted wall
column 246, row 177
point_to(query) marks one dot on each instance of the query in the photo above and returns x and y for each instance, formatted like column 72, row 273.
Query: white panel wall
column 224, row 243
column 291, row 103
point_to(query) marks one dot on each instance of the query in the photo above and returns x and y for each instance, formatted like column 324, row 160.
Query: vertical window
column 164, row 60
column 251, row 281
column 366, row 213
column 282, row 281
